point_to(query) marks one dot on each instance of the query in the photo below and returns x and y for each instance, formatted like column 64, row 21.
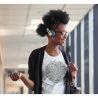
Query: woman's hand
column 15, row 76
column 73, row 69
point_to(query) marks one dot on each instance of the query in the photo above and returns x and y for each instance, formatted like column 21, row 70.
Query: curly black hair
column 51, row 18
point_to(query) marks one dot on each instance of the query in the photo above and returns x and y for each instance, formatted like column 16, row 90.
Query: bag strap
column 65, row 57
column 68, row 76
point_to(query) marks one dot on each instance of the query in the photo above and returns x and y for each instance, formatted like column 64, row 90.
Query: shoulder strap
column 65, row 57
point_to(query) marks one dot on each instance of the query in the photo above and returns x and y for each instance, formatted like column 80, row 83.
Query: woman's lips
column 62, row 41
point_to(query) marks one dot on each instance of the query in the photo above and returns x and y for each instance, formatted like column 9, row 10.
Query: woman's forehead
column 60, row 27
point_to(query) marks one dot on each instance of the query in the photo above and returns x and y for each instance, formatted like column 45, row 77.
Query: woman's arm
column 16, row 76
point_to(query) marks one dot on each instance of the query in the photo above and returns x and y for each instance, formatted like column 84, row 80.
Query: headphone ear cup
column 51, row 33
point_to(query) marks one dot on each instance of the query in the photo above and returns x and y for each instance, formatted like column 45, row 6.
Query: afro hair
column 51, row 18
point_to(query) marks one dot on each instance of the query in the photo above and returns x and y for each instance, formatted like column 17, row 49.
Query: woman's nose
column 64, row 36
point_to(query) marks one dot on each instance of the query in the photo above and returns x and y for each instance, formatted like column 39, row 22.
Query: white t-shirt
column 53, row 72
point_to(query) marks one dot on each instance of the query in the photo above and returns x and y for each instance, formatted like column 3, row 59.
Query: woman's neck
column 52, row 49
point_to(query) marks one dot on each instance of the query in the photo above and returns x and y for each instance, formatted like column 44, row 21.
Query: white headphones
column 51, row 33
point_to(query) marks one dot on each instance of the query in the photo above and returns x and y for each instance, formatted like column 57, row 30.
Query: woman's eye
column 63, row 33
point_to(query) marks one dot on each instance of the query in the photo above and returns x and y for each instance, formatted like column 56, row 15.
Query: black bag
column 70, row 87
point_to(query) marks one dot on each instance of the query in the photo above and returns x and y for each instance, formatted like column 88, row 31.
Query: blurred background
column 18, row 38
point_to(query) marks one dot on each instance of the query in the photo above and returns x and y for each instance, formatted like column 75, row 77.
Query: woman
column 47, row 65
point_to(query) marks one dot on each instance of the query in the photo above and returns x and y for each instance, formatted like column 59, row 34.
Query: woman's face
column 61, row 34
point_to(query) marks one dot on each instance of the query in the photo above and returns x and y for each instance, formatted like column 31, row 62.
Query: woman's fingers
column 14, row 76
column 73, row 67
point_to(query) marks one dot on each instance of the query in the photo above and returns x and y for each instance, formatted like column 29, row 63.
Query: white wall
column 1, row 73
